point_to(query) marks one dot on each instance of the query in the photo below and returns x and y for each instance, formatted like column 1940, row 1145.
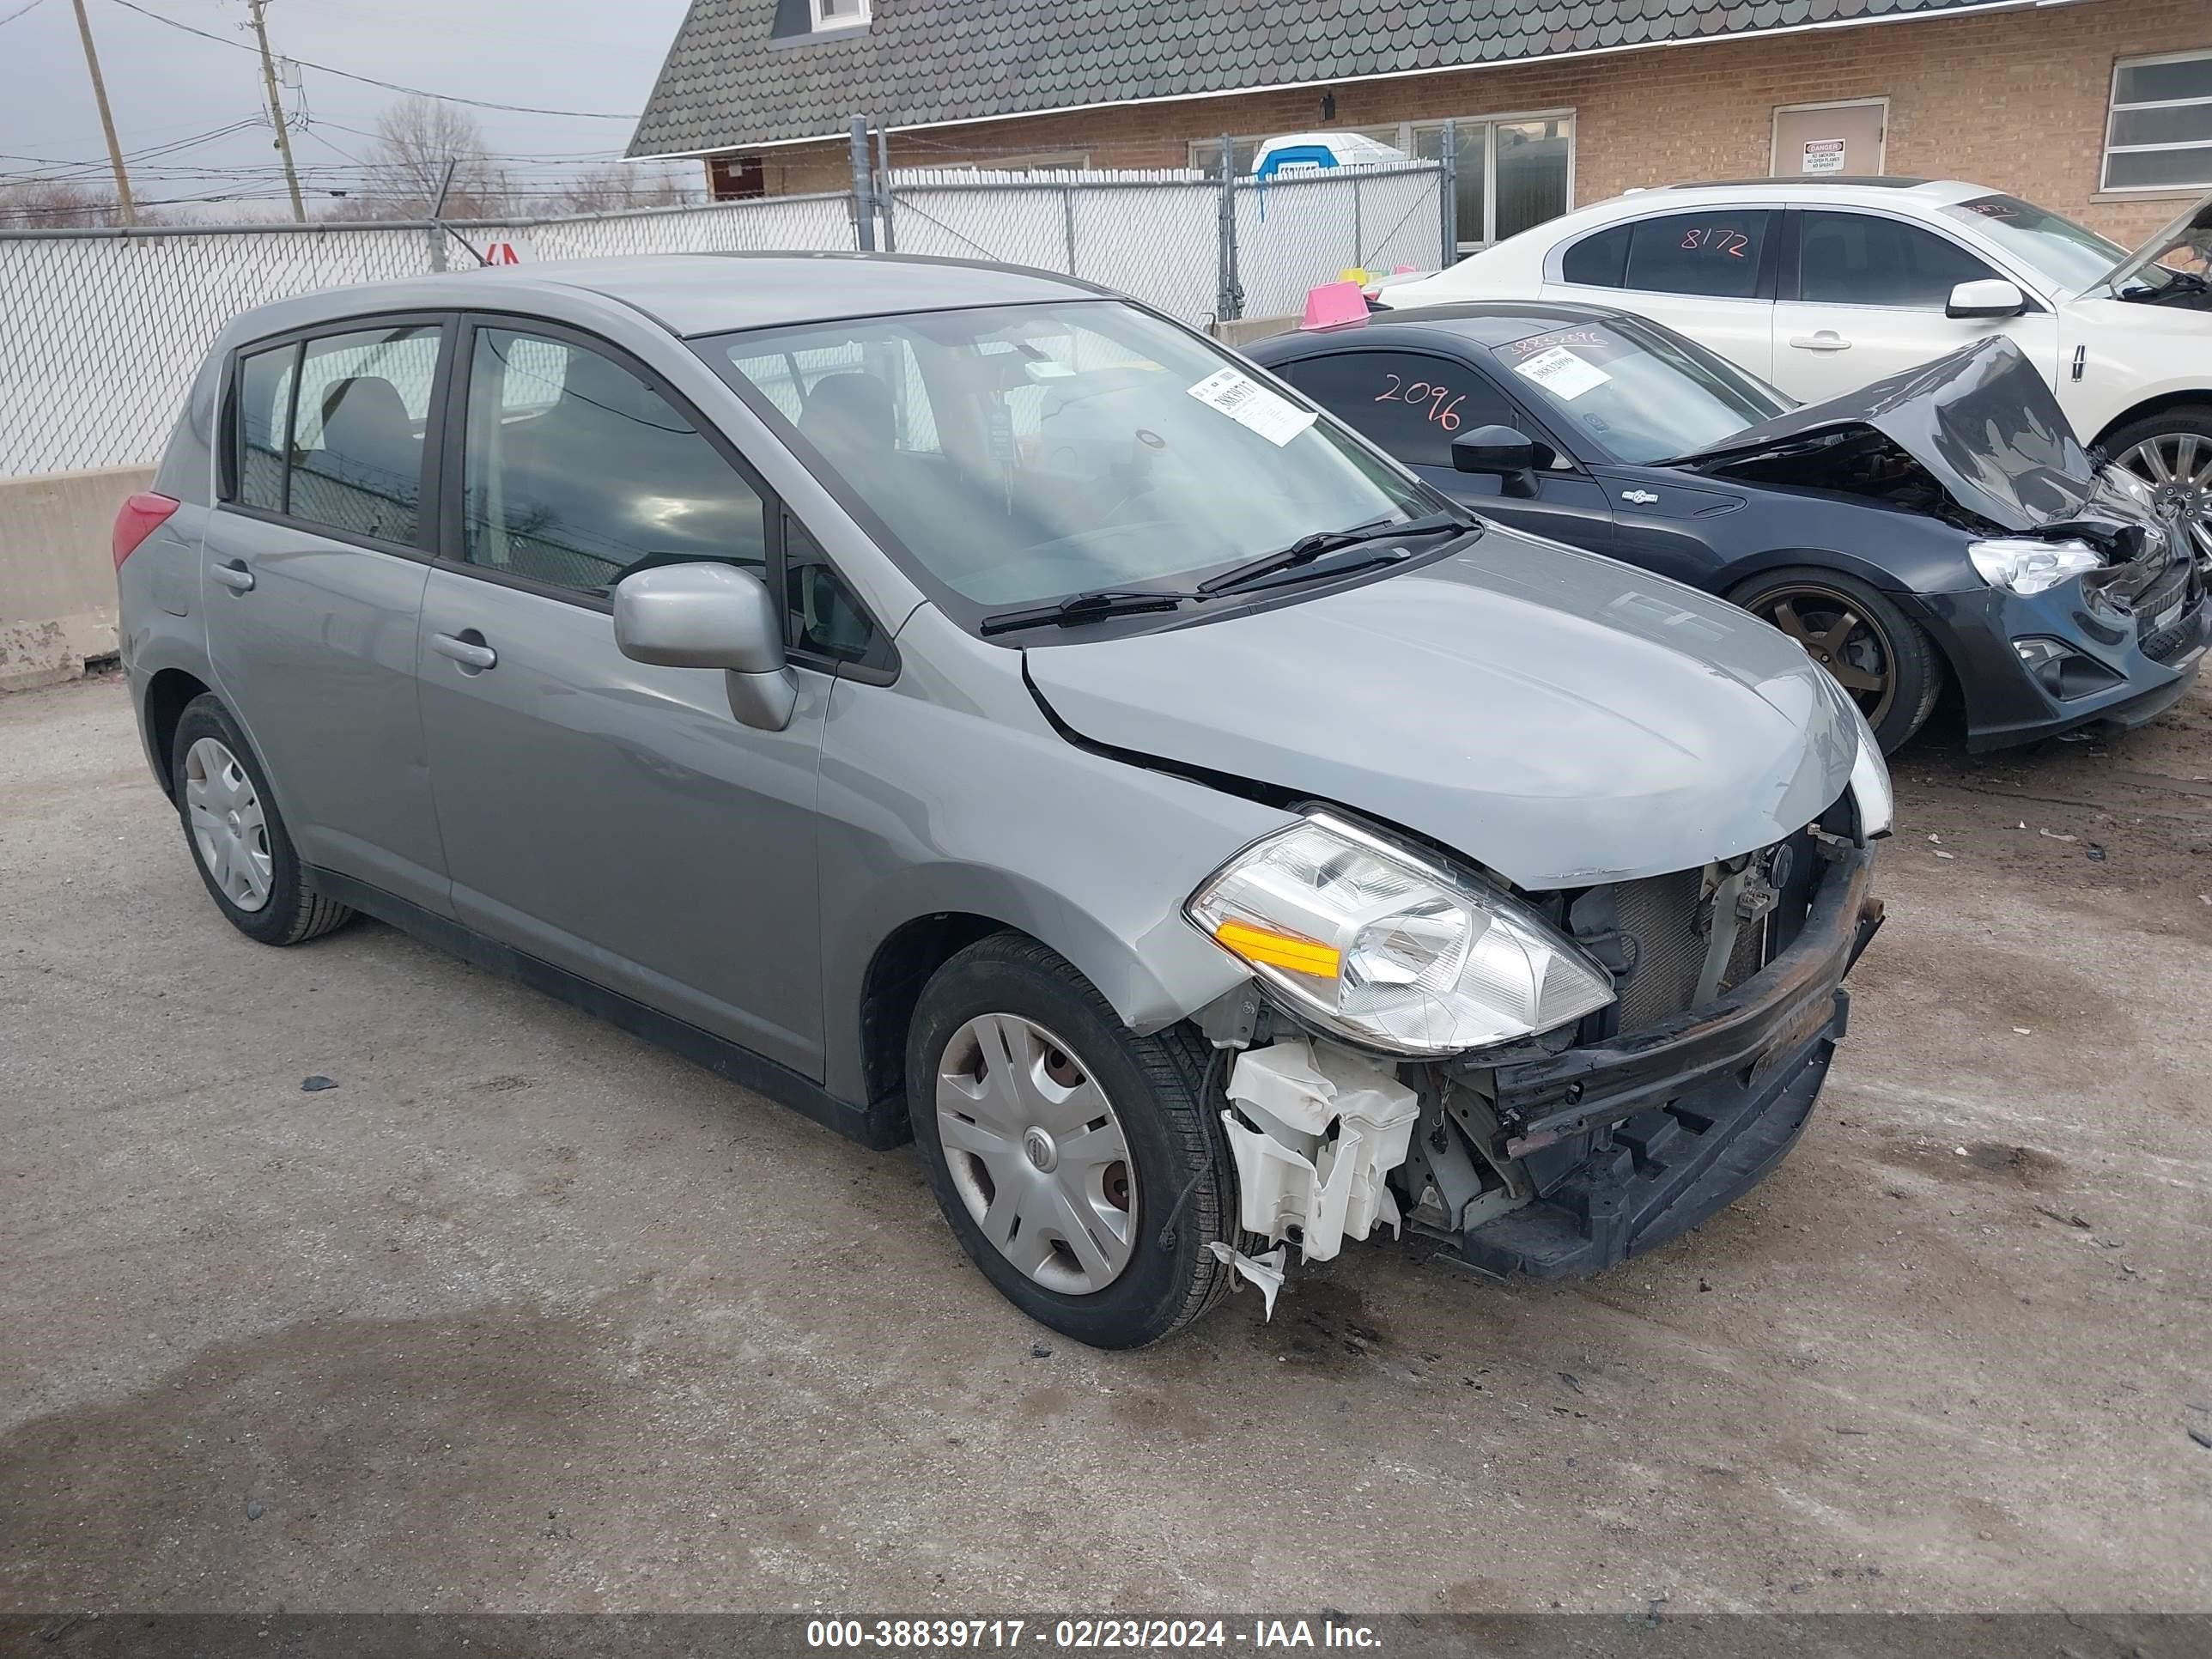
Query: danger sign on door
column 1823, row 156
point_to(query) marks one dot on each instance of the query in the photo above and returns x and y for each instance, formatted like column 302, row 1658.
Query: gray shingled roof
column 921, row 61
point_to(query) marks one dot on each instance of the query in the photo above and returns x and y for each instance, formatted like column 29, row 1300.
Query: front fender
column 1917, row 554
column 960, row 799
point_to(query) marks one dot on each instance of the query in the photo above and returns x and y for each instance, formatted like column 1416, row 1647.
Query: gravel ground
column 524, row 1314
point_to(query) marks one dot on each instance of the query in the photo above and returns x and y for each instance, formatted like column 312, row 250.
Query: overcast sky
column 167, row 86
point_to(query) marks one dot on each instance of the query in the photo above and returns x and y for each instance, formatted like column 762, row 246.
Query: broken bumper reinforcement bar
column 1626, row 1143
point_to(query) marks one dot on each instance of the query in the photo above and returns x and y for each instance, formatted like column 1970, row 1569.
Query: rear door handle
column 470, row 653
column 1826, row 340
column 234, row 575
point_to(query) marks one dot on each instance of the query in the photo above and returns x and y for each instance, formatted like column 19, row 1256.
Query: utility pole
column 275, row 108
column 106, row 119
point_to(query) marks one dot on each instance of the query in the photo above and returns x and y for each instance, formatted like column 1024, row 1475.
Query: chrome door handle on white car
column 1826, row 340
column 234, row 575
column 470, row 653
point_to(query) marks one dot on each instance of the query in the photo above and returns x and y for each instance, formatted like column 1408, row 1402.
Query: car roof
column 1861, row 180
column 1796, row 191
column 711, row 293
column 1478, row 322
column 696, row 293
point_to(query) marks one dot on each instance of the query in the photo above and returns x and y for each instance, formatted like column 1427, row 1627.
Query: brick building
column 2099, row 109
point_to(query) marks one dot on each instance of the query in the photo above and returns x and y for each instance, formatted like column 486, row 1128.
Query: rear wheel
column 236, row 834
column 2172, row 452
column 1082, row 1167
column 1875, row 652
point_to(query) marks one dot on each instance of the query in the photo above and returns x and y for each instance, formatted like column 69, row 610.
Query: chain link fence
column 103, row 329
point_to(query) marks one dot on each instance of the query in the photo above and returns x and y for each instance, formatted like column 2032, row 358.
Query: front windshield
column 1635, row 393
column 1018, row 454
column 2069, row 256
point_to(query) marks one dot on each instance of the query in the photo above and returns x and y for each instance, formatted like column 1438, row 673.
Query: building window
column 1512, row 170
column 2160, row 136
column 839, row 14
column 1205, row 155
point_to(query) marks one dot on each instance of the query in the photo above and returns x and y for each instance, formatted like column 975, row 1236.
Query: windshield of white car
column 1012, row 456
column 1636, row 393
column 2071, row 255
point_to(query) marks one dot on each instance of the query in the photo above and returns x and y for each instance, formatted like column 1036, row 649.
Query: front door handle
column 469, row 652
column 234, row 575
column 1827, row 340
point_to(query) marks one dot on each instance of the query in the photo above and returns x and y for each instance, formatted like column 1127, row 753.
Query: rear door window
column 1714, row 254
column 1410, row 402
column 359, row 418
column 331, row 431
column 1861, row 259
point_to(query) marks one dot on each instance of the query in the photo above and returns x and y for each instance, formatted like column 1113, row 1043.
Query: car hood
column 1557, row 717
column 2189, row 230
column 1981, row 422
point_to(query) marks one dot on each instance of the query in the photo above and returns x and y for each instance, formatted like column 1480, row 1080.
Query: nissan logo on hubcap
column 1037, row 1146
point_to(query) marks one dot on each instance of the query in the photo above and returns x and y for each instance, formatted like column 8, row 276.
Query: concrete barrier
column 57, row 573
column 1245, row 330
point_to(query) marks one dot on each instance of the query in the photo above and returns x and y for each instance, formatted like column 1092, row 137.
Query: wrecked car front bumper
column 1621, row 1145
column 2134, row 669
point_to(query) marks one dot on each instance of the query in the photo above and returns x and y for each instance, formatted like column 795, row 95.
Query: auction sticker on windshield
column 1248, row 403
column 1562, row 374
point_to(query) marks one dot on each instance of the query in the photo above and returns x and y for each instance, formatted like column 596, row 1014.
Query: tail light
column 141, row 516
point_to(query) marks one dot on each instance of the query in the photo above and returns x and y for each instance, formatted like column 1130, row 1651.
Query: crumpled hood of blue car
column 1556, row 716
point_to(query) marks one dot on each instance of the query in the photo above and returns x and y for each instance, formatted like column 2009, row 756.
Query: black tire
column 2188, row 499
column 1168, row 1113
column 1881, row 642
column 293, row 912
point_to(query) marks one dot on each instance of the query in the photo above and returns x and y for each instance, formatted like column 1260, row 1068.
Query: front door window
column 576, row 472
column 1861, row 259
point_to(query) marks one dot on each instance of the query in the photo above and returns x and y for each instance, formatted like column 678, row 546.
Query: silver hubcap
column 229, row 828
column 2178, row 467
column 1036, row 1153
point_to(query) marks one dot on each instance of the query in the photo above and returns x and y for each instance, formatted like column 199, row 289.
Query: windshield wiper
column 1307, row 549
column 1093, row 606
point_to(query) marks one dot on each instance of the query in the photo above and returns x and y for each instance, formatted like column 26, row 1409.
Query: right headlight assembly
column 1369, row 941
column 2023, row 565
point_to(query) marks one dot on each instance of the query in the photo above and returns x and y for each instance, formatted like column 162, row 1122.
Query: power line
column 50, row 170
column 32, row 6
column 371, row 81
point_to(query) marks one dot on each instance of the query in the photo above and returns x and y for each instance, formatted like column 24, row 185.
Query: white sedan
column 1820, row 288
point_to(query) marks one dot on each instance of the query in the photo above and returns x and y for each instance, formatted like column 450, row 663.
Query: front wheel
column 1873, row 650
column 1082, row 1167
column 2172, row 452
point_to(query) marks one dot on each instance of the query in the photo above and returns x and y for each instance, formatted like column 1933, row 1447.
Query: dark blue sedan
column 1940, row 529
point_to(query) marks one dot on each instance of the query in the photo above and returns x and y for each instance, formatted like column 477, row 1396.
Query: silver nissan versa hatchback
column 963, row 704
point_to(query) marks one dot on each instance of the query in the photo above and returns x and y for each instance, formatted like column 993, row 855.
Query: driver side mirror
column 1992, row 296
column 1512, row 456
column 711, row 615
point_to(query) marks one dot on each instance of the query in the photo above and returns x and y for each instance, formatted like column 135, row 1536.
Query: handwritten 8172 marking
column 1730, row 242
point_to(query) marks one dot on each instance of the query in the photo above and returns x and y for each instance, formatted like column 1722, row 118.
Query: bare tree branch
column 416, row 141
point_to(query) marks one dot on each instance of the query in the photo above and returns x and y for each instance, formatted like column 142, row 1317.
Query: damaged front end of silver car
column 1541, row 1084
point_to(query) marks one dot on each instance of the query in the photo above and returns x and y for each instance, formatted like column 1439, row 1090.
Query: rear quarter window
column 1598, row 261
column 263, row 402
